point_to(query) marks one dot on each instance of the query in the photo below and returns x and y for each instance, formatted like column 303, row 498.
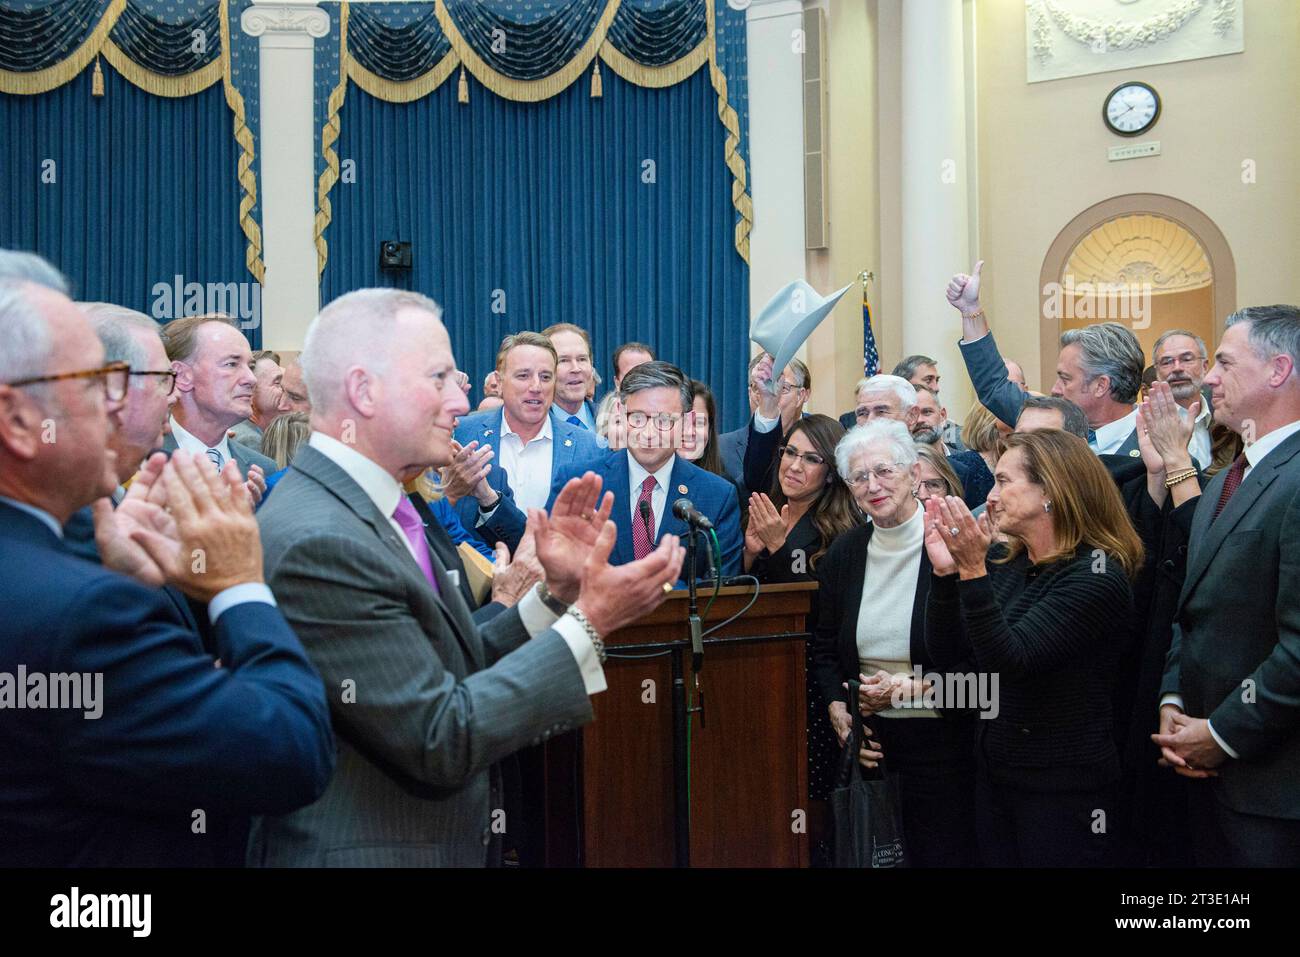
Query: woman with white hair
column 874, row 584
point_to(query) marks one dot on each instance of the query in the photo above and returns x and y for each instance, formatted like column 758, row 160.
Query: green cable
column 717, row 565
column 690, row 691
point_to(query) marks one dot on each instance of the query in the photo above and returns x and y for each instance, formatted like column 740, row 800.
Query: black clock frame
column 1105, row 117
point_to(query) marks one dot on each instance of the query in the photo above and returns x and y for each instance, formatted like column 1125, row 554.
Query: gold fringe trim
column 157, row 83
column 402, row 91
column 526, row 91
column 670, row 74
column 244, row 137
column 740, row 197
column 70, row 67
column 329, row 134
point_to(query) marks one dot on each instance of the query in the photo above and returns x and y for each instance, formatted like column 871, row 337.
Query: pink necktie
column 641, row 534
column 413, row 526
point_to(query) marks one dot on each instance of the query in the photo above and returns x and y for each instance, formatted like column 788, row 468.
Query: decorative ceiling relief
column 1077, row 37
column 1140, row 249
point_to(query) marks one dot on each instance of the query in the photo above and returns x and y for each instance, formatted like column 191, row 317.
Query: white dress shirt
column 658, row 498
column 1114, row 434
column 1200, row 447
column 1255, row 453
column 382, row 489
column 189, row 442
column 528, row 465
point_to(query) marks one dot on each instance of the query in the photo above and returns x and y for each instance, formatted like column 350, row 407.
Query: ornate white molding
column 284, row 18
column 1105, row 36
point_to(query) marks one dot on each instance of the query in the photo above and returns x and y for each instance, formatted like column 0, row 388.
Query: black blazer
column 780, row 567
column 841, row 574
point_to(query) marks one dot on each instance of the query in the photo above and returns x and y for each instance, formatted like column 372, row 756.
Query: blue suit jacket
column 711, row 494
column 571, row 444
column 175, row 734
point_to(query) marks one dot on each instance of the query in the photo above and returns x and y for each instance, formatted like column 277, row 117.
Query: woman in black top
column 787, row 535
column 1047, row 615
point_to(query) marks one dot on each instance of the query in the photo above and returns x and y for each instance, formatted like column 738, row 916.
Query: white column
column 776, row 243
column 935, row 174
column 290, row 294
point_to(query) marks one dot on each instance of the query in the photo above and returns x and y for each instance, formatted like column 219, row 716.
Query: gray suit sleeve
column 988, row 373
column 391, row 694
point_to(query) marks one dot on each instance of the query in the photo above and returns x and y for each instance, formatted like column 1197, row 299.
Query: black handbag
column 865, row 808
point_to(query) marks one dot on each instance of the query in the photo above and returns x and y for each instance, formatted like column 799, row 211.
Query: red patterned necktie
column 641, row 535
column 1231, row 482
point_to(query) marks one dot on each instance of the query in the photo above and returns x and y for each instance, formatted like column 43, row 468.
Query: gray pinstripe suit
column 437, row 699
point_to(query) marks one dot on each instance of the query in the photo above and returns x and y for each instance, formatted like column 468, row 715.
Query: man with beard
column 1179, row 358
column 931, row 419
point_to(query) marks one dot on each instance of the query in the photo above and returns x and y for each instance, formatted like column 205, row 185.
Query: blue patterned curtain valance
column 166, row 47
column 528, row 51
column 398, row 42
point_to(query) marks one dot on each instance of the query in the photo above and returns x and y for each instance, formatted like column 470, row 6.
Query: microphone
column 685, row 510
column 649, row 522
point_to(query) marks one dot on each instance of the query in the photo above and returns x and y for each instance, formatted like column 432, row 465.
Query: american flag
column 871, row 358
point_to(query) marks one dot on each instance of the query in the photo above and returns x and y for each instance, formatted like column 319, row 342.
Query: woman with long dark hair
column 809, row 505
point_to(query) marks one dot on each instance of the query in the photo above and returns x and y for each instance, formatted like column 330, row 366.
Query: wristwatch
column 487, row 509
column 550, row 601
column 576, row 614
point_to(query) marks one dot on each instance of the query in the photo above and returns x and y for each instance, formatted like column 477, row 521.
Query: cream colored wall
column 1042, row 159
column 835, row 349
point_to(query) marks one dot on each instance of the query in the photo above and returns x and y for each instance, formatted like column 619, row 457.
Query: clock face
column 1131, row 108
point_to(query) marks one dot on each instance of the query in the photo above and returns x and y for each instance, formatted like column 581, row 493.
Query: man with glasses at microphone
column 648, row 478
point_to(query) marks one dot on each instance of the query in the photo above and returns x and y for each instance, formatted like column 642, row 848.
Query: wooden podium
column 615, row 791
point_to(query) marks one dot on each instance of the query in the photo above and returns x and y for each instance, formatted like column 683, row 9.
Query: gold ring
column 668, row 587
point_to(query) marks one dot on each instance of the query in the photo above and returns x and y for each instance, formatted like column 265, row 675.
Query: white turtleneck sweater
column 888, row 595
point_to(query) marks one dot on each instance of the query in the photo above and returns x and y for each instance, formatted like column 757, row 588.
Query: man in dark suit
column 130, row 771
column 513, row 454
column 214, row 391
column 648, row 476
column 425, row 702
column 1230, row 705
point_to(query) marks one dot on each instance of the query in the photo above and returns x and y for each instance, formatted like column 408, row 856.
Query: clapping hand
column 566, row 537
column 466, row 473
column 964, row 291
column 1167, row 427
column 142, row 508
column 769, row 527
column 612, row 596
column 965, row 539
column 256, row 485
column 512, row 578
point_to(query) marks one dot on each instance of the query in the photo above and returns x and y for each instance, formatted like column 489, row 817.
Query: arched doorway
column 1150, row 261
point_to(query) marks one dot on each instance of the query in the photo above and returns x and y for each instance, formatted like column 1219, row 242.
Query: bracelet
column 979, row 314
column 552, row 603
column 576, row 614
column 1178, row 477
column 487, row 509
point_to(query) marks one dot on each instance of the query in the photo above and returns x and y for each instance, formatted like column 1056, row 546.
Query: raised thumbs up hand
column 964, row 291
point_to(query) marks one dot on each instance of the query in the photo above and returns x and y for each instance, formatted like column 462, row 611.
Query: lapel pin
column 1135, row 453
column 681, row 490
column 487, row 432
column 568, row 442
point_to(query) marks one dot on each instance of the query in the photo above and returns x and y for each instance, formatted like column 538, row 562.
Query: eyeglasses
column 935, row 486
column 1187, row 358
column 887, row 474
column 166, row 379
column 809, row 458
column 662, row 420
column 783, row 387
column 116, row 376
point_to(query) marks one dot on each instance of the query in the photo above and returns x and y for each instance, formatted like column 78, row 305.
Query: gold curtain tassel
column 597, row 90
column 97, row 80
column 462, row 88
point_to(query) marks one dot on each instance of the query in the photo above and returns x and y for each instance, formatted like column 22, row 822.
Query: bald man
column 425, row 700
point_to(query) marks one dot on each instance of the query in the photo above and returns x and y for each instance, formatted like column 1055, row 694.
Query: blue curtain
column 128, row 191
column 614, row 213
